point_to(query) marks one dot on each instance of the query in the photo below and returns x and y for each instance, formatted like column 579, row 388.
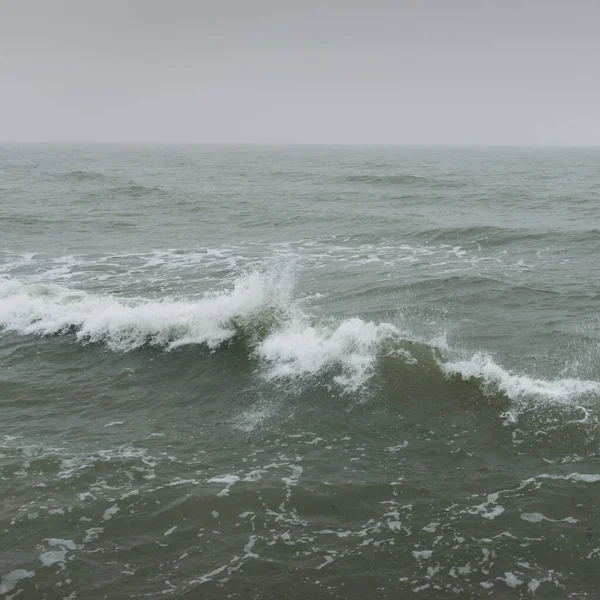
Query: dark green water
column 299, row 372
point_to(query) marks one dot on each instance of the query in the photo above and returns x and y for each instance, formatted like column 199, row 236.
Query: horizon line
column 294, row 144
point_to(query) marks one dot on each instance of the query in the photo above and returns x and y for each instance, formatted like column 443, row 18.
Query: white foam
column 400, row 446
column 109, row 513
column 229, row 480
column 61, row 543
column 539, row 517
column 54, row 557
column 584, row 477
column 10, row 580
column 224, row 479
column 125, row 324
column 91, row 534
column 261, row 305
column 534, row 517
column 482, row 366
column 300, row 349
column 484, row 509
column 252, row 418
column 510, row 579
column 260, row 301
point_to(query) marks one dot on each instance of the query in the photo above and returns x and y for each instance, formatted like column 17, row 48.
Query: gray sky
column 268, row 71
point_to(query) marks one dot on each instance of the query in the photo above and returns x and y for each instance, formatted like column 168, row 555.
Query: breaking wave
column 492, row 377
column 123, row 324
column 260, row 309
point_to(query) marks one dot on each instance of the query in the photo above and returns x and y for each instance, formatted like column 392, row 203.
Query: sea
column 299, row 372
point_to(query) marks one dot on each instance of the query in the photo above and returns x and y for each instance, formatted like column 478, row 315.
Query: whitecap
column 482, row 366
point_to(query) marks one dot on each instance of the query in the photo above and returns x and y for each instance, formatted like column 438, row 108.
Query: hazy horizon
column 174, row 143
column 425, row 73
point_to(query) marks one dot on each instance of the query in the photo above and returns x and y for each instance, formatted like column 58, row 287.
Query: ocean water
column 296, row 372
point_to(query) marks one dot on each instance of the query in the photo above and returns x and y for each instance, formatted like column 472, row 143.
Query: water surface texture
column 299, row 372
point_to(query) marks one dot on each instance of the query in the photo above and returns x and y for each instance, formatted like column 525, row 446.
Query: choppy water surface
column 299, row 372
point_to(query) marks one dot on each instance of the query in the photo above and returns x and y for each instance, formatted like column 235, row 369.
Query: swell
column 82, row 176
column 498, row 235
column 131, row 188
column 260, row 311
column 383, row 180
column 399, row 179
column 137, row 191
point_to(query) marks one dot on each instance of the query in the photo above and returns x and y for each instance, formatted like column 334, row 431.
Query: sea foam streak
column 259, row 306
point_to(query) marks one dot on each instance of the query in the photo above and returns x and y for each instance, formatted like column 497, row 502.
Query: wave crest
column 493, row 377
column 300, row 349
column 256, row 301
column 260, row 308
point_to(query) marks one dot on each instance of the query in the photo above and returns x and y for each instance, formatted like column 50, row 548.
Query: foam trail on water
column 481, row 366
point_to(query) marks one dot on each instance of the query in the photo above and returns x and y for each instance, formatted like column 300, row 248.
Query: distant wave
column 500, row 235
column 484, row 232
column 134, row 190
column 403, row 180
column 117, row 186
column 385, row 179
column 82, row 176
column 13, row 220
column 259, row 309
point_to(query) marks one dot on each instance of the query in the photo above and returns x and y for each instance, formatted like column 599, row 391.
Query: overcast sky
column 277, row 71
